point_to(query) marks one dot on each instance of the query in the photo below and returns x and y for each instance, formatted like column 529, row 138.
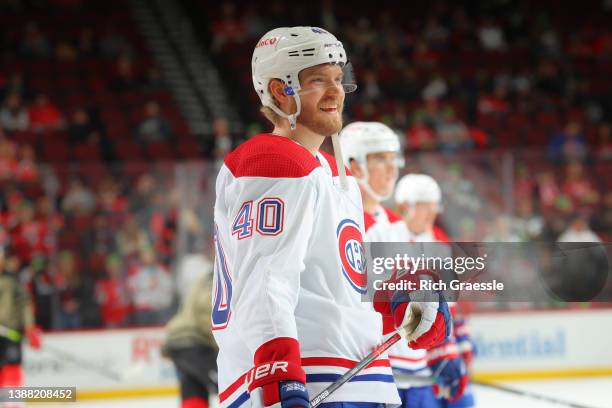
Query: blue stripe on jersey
column 240, row 400
column 313, row 378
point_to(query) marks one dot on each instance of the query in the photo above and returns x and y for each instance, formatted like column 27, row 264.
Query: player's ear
column 276, row 87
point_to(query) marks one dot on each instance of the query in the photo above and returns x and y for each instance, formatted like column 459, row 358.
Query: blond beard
column 326, row 126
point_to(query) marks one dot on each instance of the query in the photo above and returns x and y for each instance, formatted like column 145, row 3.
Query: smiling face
column 322, row 99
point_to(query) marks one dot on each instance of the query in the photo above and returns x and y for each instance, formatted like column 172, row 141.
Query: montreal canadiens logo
column 350, row 247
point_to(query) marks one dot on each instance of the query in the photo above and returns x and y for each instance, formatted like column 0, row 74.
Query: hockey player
column 191, row 346
column 373, row 151
column 419, row 199
column 16, row 318
column 289, row 271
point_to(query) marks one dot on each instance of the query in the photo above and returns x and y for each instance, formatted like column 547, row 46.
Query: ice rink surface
column 589, row 392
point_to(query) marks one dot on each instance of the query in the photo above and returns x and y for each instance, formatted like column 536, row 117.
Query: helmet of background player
column 418, row 188
column 359, row 139
column 283, row 52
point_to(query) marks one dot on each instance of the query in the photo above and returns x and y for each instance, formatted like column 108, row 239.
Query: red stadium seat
column 129, row 151
column 160, row 151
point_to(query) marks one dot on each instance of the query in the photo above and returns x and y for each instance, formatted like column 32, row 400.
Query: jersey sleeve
column 270, row 226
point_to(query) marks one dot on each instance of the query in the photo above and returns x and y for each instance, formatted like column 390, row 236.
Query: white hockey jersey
column 289, row 263
column 386, row 226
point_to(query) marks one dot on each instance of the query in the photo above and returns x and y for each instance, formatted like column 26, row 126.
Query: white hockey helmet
column 359, row 139
column 418, row 188
column 283, row 52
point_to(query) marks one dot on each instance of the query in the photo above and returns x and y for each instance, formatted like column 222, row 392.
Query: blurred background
column 115, row 116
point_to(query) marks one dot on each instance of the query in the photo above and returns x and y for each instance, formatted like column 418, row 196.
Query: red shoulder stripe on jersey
column 340, row 362
column 272, row 156
column 332, row 164
column 368, row 220
column 440, row 235
column 391, row 215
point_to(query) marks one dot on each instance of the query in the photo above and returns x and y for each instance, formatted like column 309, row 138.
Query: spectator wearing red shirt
column 578, row 187
column 112, row 294
column 44, row 115
column 8, row 159
column 420, row 136
column 27, row 169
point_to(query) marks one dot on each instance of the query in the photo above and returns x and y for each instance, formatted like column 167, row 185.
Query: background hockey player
column 191, row 346
column 289, row 271
column 373, row 151
column 419, row 200
column 16, row 321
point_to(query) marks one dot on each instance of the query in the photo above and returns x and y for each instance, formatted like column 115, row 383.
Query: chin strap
column 377, row 197
column 292, row 118
column 339, row 161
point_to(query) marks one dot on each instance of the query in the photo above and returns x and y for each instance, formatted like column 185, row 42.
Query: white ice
column 590, row 392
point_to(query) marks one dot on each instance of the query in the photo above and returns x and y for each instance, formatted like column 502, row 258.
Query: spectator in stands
column 86, row 46
column 369, row 90
column 8, row 159
column 110, row 199
column 550, row 79
column 495, row 103
column 151, row 289
column 26, row 171
column 28, row 235
column 569, row 144
column 524, row 184
column 527, row 224
column 154, row 127
column 222, row 138
column 112, row 294
column 420, row 136
column 548, row 190
column 81, row 129
column 13, row 115
column 491, row 35
column 71, row 292
column 34, row 43
column 65, row 52
column 132, row 239
column 501, row 231
column 112, row 43
column 229, row 29
column 604, row 135
column 453, row 134
column 102, row 236
column 579, row 231
column 153, row 81
column 125, row 79
column 14, row 84
column 79, row 199
column 578, row 187
column 44, row 115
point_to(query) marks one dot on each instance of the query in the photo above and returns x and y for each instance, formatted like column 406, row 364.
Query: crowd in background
column 507, row 109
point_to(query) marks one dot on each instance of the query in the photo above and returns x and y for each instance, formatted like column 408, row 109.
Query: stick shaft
column 353, row 371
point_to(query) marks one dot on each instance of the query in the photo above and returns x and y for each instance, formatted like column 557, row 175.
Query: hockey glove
column 449, row 371
column 278, row 378
column 424, row 323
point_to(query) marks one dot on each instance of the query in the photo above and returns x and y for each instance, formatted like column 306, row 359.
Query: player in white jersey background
column 288, row 314
column 373, row 151
column 418, row 198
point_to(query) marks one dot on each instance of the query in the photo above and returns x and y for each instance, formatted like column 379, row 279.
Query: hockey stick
column 132, row 371
column 353, row 371
column 431, row 380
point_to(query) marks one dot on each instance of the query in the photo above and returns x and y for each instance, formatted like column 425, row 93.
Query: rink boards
column 127, row 362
